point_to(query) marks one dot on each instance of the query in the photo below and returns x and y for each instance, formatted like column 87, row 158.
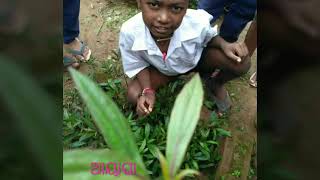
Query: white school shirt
column 139, row 50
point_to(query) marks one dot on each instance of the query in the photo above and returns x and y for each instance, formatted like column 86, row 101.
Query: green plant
column 236, row 173
column 79, row 129
column 193, row 4
column 116, row 131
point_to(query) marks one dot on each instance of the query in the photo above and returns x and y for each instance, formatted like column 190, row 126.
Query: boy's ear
column 138, row 3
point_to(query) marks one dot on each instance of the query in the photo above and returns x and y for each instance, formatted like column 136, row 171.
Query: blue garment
column 239, row 14
column 71, row 9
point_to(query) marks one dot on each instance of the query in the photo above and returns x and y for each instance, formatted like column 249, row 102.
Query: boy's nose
column 163, row 17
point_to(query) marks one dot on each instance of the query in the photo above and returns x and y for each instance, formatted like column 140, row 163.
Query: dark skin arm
column 251, row 37
column 236, row 51
column 145, row 102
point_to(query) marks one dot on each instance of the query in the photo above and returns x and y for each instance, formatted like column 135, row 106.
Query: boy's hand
column 145, row 104
column 235, row 51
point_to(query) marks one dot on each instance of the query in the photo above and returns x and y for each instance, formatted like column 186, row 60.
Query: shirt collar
column 144, row 41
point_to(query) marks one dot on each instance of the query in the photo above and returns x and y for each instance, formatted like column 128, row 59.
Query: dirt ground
column 102, row 39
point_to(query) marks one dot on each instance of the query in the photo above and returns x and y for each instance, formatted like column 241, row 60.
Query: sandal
column 70, row 61
column 223, row 106
column 253, row 80
column 81, row 52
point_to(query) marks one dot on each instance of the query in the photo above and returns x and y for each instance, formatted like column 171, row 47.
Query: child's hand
column 145, row 104
column 235, row 51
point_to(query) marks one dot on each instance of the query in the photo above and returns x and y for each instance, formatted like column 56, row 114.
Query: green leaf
column 204, row 133
column 112, row 124
column 77, row 144
column 186, row 172
column 143, row 145
column 223, row 132
column 77, row 164
column 153, row 149
column 195, row 164
column 147, row 130
column 183, row 121
column 209, row 104
column 164, row 166
column 212, row 142
column 36, row 116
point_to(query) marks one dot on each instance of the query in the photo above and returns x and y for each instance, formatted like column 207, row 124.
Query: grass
column 80, row 131
column 150, row 132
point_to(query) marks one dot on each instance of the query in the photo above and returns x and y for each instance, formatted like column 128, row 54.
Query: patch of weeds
column 236, row 173
column 116, row 13
column 242, row 149
column 193, row 4
column 78, row 127
column 252, row 173
column 241, row 128
column 150, row 131
column 112, row 66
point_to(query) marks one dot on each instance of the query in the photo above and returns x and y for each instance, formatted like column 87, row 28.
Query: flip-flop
column 69, row 61
column 223, row 106
column 253, row 82
column 81, row 51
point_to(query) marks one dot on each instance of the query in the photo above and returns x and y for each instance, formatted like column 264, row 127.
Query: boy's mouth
column 161, row 30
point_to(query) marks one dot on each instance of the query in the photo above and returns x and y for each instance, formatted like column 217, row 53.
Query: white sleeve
column 208, row 31
column 131, row 61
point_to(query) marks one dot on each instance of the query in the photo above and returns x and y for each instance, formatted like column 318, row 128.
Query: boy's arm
column 235, row 51
column 144, row 78
column 216, row 42
column 251, row 37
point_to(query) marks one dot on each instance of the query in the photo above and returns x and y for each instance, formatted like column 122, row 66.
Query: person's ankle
column 75, row 44
column 219, row 91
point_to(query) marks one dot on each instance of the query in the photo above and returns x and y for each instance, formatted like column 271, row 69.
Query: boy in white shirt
column 165, row 40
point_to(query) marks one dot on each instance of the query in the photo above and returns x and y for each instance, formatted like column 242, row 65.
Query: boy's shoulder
column 133, row 25
column 198, row 16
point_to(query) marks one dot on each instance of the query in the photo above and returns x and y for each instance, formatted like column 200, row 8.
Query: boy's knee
column 244, row 67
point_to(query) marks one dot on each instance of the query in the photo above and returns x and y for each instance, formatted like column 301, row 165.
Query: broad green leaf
column 77, row 164
column 223, row 132
column 164, row 166
column 36, row 116
column 112, row 124
column 183, row 121
column 186, row 172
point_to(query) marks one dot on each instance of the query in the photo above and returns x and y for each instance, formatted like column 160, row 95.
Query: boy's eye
column 176, row 9
column 153, row 4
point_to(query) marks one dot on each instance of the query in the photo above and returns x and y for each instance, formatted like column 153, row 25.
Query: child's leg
column 157, row 80
column 212, row 59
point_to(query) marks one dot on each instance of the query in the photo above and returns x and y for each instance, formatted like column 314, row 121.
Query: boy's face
column 163, row 17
